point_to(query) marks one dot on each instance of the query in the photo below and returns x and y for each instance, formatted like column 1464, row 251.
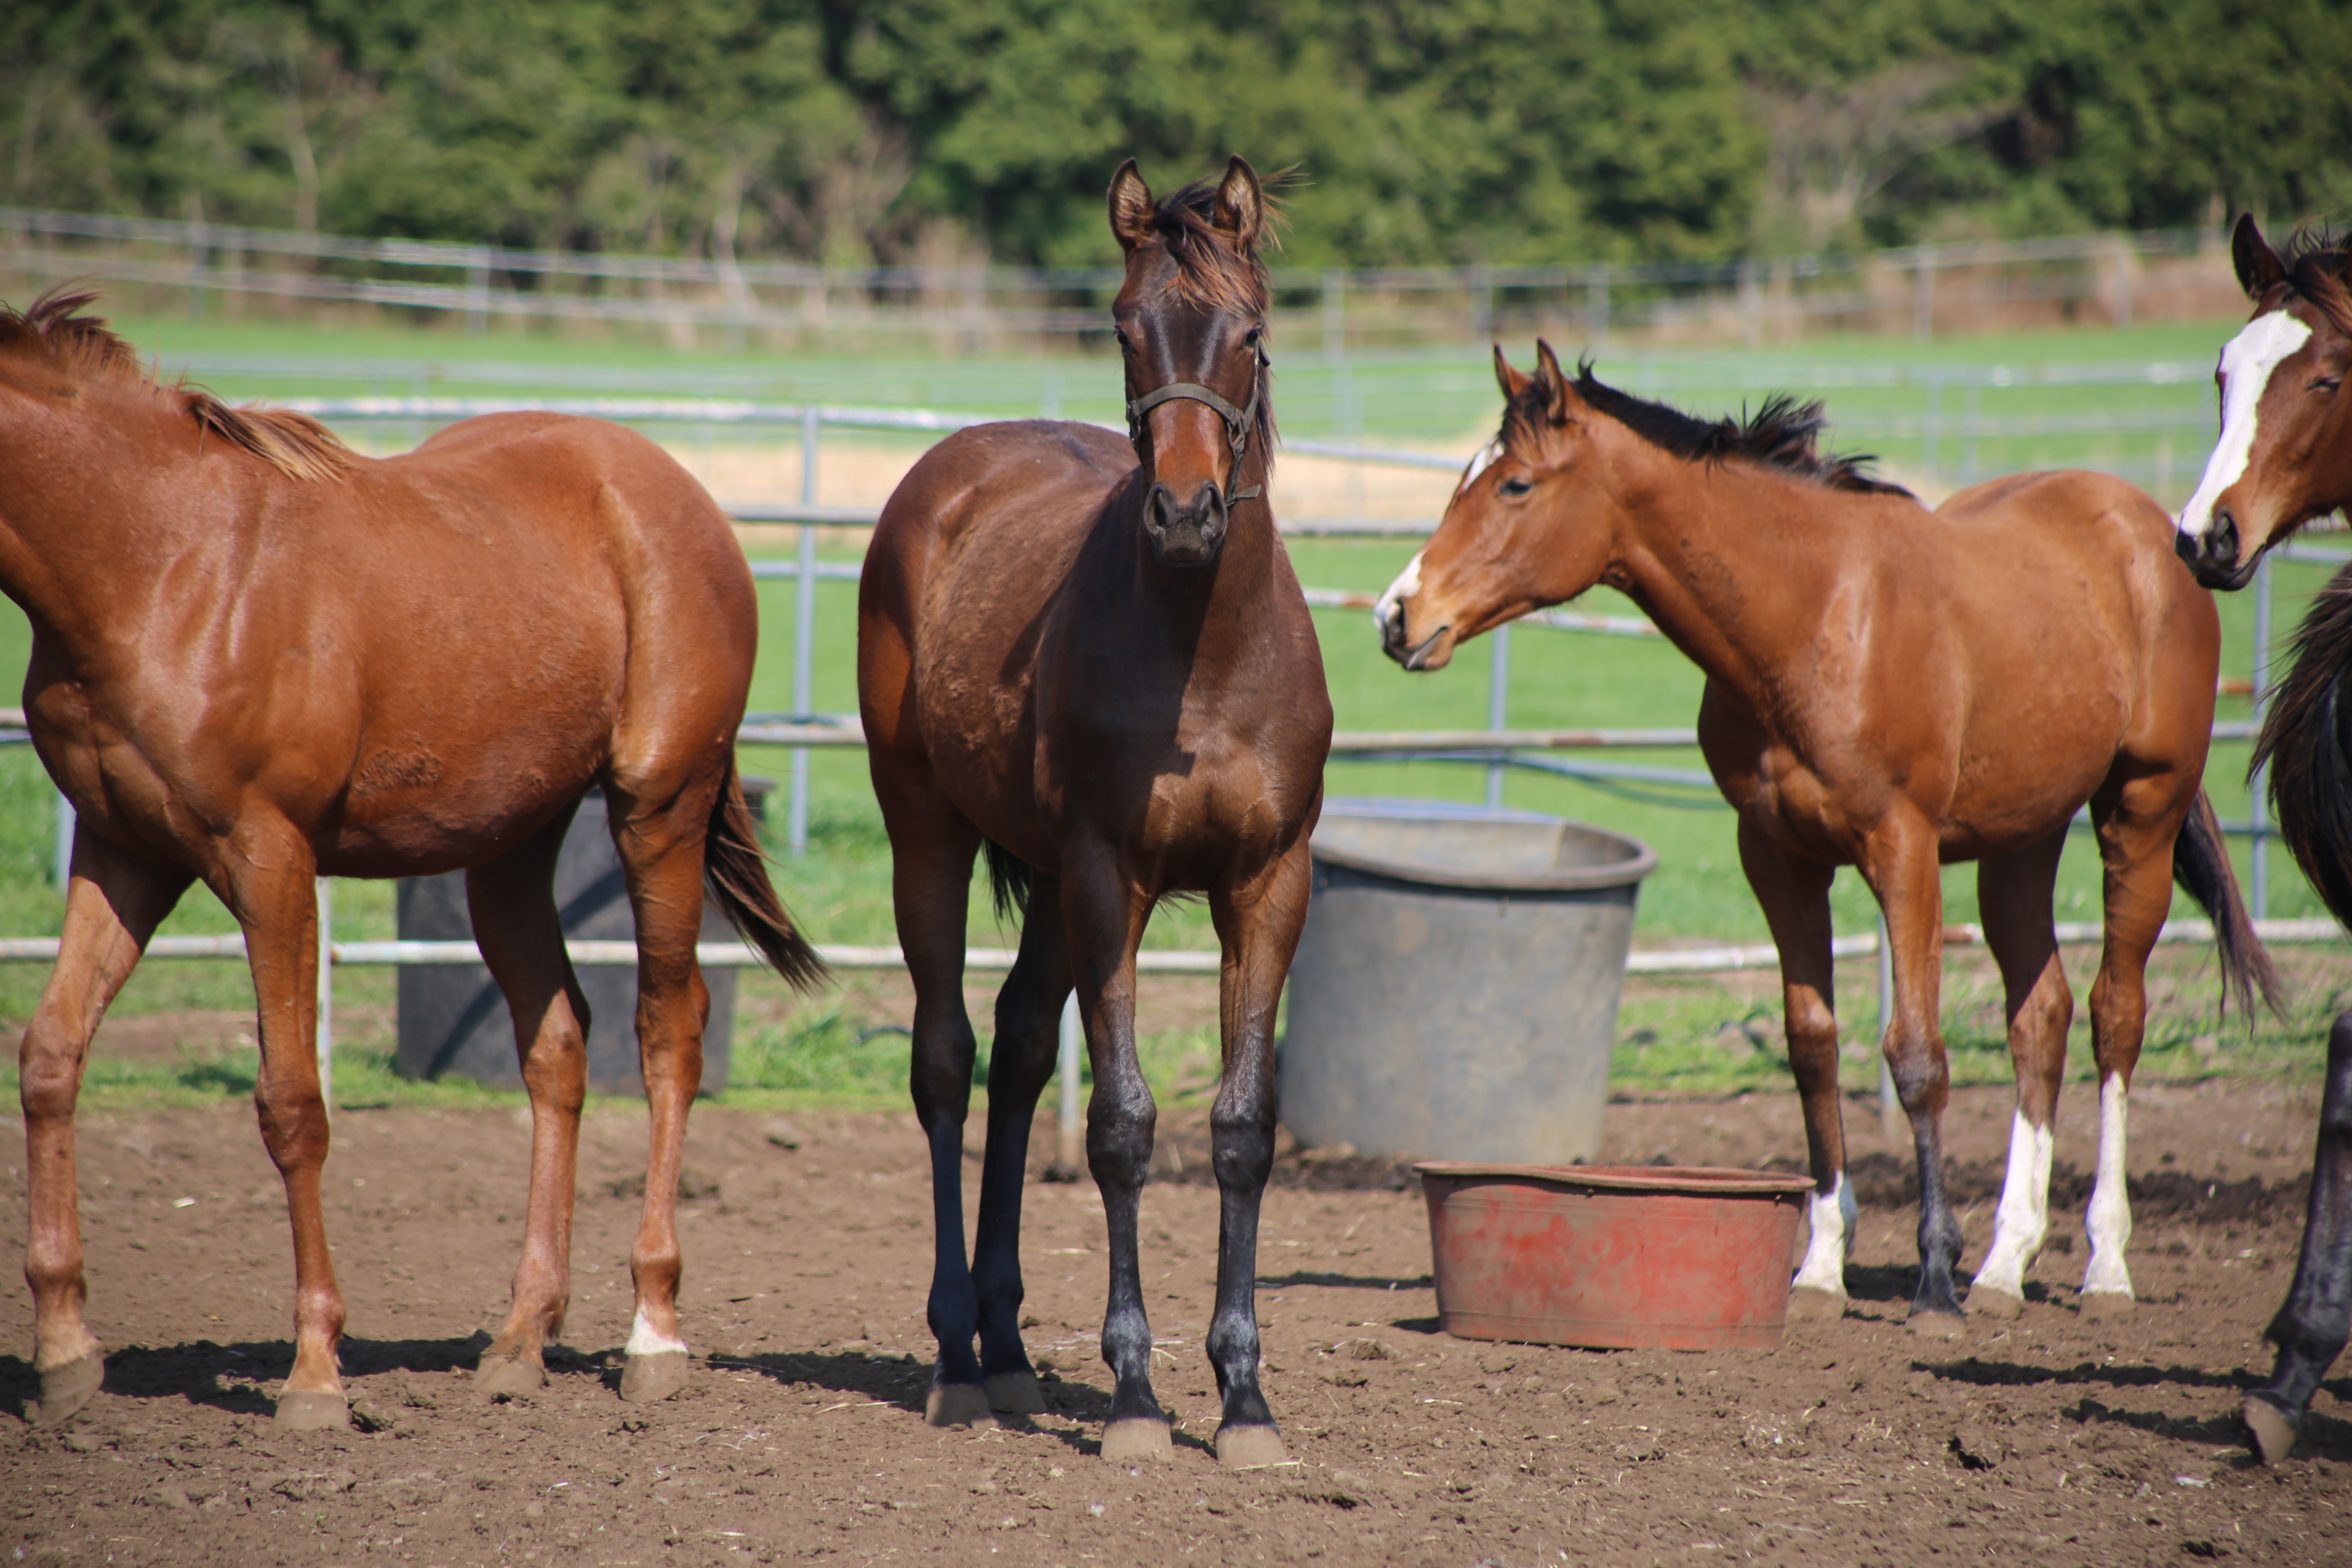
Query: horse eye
column 1124, row 346
column 1515, row 486
column 2326, row 383
column 1249, row 339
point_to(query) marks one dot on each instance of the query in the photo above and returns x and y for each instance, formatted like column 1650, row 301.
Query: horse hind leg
column 2013, row 893
column 512, row 903
column 2312, row 1327
column 1020, row 1061
column 658, row 831
column 112, row 907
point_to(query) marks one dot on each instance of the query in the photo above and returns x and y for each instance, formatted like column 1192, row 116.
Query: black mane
column 2316, row 263
column 1781, row 436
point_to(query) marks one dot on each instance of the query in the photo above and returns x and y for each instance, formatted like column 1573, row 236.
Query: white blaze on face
column 1485, row 459
column 1392, row 602
column 2109, row 1219
column 2246, row 365
column 1833, row 1213
column 2024, row 1217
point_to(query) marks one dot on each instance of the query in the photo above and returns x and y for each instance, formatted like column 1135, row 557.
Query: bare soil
column 2051, row 1439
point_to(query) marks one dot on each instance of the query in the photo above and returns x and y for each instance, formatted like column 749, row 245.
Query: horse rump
column 736, row 873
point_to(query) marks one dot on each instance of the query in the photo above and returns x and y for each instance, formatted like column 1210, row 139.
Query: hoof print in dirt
column 312, row 1410
column 1249, row 1447
column 1136, row 1438
column 1015, row 1394
column 66, row 1389
column 958, row 1405
column 2273, row 1435
column 646, row 1378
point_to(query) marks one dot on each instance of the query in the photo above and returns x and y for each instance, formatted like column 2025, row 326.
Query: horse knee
column 1119, row 1142
column 1241, row 1143
column 48, row 1070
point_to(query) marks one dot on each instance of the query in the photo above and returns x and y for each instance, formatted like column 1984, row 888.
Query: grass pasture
column 2064, row 399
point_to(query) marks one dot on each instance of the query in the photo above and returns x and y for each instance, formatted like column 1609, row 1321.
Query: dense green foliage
column 943, row 131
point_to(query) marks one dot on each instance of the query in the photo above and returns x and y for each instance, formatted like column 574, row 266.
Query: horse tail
column 2305, row 745
column 2200, row 864
column 1009, row 880
column 736, row 873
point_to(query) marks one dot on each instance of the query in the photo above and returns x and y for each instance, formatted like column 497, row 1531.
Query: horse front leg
column 2013, row 894
column 1903, row 869
column 112, row 906
column 2311, row 1329
column 272, row 888
column 1104, row 910
column 1795, row 895
column 1258, row 927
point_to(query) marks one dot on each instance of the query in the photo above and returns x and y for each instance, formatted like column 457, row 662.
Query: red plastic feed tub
column 1613, row 1257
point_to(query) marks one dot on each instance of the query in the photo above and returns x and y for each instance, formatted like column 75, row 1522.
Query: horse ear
column 1550, row 377
column 1241, row 205
column 1131, row 206
column 1508, row 376
column 2258, row 265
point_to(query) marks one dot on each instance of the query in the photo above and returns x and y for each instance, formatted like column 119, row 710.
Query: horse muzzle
column 2212, row 557
column 1187, row 535
column 1431, row 653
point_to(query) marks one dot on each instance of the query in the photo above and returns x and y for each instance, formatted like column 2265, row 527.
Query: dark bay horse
column 2284, row 457
column 1891, row 688
column 259, row 659
column 1093, row 659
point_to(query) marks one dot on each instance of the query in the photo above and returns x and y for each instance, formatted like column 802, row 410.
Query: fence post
column 1069, row 1139
column 803, row 629
column 1499, row 687
column 65, row 842
column 326, row 995
column 478, row 293
column 2258, row 884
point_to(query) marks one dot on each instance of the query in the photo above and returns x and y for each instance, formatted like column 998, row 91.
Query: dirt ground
column 2047, row 1440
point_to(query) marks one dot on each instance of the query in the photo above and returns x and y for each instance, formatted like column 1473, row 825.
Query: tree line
column 946, row 131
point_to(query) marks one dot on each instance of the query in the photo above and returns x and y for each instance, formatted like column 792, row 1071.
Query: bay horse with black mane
column 1892, row 689
column 259, row 659
column 1090, row 656
column 2284, row 458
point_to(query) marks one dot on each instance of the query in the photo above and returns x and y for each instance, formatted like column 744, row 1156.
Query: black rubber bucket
column 454, row 1021
column 1454, row 996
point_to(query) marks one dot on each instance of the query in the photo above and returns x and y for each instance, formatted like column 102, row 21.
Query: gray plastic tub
column 1456, row 991
column 454, row 1021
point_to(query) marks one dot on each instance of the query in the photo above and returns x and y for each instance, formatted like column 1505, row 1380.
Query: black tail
column 1010, row 878
column 2304, row 744
column 737, row 875
column 2200, row 864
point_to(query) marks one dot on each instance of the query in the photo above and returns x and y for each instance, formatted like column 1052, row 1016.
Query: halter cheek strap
column 1239, row 422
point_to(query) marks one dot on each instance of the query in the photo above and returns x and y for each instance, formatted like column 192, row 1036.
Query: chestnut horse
column 259, row 659
column 1094, row 659
column 2284, row 457
column 1892, row 689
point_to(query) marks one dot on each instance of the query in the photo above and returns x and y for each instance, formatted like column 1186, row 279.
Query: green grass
column 840, row 890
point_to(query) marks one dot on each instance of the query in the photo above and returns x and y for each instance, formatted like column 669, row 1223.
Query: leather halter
column 1239, row 422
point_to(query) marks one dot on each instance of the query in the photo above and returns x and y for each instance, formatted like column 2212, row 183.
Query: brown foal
column 1094, row 657
column 259, row 659
column 1891, row 688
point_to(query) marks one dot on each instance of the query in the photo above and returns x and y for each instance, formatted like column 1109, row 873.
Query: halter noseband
column 1239, row 422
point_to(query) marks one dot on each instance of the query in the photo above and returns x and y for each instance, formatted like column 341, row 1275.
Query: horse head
column 1192, row 329
column 1513, row 537
column 2285, row 456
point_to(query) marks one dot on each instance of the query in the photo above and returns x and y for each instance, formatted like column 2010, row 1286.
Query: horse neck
column 1735, row 565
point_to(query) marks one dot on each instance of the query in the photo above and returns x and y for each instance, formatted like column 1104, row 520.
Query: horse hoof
column 66, row 1389
column 1935, row 1325
column 312, row 1410
column 1138, row 1438
column 1016, row 1394
column 655, row 1375
column 508, row 1376
column 2268, row 1426
column 1808, row 1305
column 958, row 1405
column 1999, row 1305
column 2102, row 1306
column 1247, row 1447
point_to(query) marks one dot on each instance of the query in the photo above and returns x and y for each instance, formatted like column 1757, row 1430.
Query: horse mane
column 2315, row 261
column 2305, row 744
column 1212, row 274
column 56, row 327
column 1781, row 435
